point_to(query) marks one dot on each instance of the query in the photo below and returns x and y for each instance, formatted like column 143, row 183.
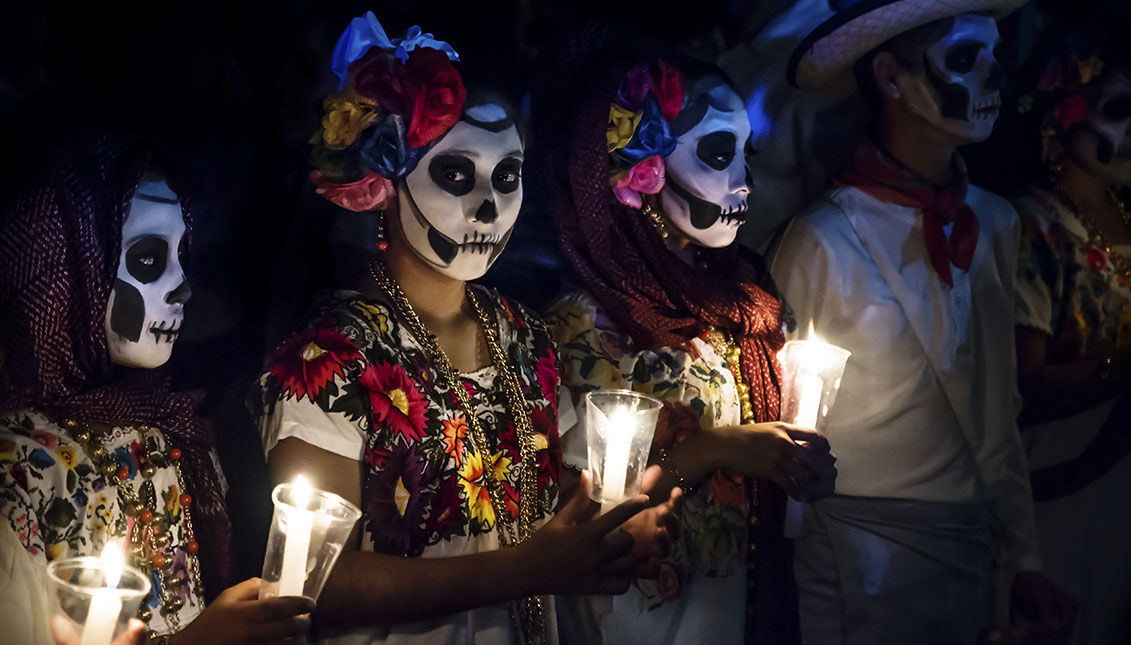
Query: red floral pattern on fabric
column 396, row 401
column 437, row 95
column 310, row 360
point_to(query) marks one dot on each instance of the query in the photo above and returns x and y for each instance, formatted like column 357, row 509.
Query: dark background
column 233, row 91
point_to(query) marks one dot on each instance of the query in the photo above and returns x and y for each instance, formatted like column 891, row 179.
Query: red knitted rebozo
column 60, row 240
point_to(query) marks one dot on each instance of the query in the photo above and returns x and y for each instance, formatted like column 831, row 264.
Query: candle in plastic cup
column 94, row 598
column 809, row 400
column 619, row 428
column 811, row 373
column 308, row 530
column 299, row 524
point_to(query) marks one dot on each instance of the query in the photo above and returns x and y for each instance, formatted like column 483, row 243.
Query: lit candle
column 809, row 399
column 300, row 521
column 618, row 444
column 105, row 603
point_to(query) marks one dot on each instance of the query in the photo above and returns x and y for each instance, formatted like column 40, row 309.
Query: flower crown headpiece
column 394, row 98
column 639, row 133
column 1061, row 95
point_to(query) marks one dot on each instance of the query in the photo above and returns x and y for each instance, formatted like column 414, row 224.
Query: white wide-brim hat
column 824, row 60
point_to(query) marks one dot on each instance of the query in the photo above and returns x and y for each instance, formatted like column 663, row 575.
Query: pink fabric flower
column 371, row 192
column 669, row 90
column 1071, row 111
column 637, row 82
column 645, row 177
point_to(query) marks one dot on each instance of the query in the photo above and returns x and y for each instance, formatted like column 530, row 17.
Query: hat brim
column 824, row 60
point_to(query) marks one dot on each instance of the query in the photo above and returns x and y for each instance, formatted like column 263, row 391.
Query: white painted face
column 1103, row 145
column 459, row 206
column 146, row 305
column 707, row 183
column 959, row 91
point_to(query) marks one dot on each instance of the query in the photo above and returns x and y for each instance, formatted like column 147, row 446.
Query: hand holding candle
column 93, row 598
column 308, row 531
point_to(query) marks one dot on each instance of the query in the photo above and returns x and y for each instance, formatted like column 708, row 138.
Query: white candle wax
column 618, row 442
column 106, row 603
column 810, row 388
column 297, row 547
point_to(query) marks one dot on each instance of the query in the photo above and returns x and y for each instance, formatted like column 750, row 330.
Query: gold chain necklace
column 530, row 618
column 150, row 548
column 1095, row 234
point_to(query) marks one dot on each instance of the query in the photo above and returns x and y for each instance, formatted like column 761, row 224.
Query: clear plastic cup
column 94, row 607
column 619, row 425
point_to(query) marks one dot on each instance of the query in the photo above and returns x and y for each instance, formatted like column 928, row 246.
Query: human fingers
column 613, row 586
column 281, row 629
column 280, row 607
column 246, row 590
column 622, row 566
column 650, row 478
column 579, row 508
column 134, row 634
column 614, row 545
column 809, row 438
column 62, row 632
column 618, row 515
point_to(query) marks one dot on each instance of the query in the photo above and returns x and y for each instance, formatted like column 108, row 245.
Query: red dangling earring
column 382, row 243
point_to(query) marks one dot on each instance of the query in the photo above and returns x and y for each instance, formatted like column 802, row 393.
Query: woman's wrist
column 700, row 454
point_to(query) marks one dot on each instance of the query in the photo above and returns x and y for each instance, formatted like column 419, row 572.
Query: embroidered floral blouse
column 1067, row 287
column 60, row 506
column 698, row 392
column 357, row 384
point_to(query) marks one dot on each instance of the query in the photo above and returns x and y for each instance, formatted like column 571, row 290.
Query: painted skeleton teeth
column 165, row 330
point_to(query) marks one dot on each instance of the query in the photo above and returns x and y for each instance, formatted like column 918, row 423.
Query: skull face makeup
column 1102, row 144
column 146, row 305
column 460, row 204
column 707, row 182
column 959, row 88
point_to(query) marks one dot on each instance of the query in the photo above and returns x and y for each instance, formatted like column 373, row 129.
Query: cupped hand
column 797, row 459
column 580, row 553
column 238, row 616
column 654, row 528
column 1041, row 607
column 64, row 634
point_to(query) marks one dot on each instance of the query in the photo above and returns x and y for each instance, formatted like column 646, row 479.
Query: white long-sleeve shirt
column 928, row 400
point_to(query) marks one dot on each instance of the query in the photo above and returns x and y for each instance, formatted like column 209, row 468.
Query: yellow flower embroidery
column 344, row 120
column 478, row 498
column 7, row 450
column 67, row 456
column 401, row 496
column 56, row 551
column 376, row 316
column 174, row 503
column 622, row 125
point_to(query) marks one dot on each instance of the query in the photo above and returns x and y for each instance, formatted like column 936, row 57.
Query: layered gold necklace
column 528, row 616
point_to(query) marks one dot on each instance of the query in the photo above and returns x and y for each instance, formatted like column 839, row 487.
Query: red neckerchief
column 879, row 175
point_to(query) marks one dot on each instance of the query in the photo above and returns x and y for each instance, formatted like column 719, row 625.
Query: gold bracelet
column 667, row 462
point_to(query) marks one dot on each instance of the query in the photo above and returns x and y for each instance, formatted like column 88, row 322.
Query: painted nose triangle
column 486, row 213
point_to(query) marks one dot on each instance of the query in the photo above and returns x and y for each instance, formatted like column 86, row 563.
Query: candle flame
column 813, row 334
column 301, row 492
column 113, row 561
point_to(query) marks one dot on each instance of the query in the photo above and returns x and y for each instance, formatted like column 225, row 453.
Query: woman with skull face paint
column 1073, row 316
column 426, row 400
column 911, row 269
column 644, row 168
column 94, row 445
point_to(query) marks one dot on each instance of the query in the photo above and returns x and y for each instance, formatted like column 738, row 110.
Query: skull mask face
column 146, row 305
column 959, row 88
column 459, row 206
column 707, row 181
column 1102, row 145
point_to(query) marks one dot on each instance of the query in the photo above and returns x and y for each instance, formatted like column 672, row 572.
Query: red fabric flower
column 45, row 439
column 1071, row 110
column 1096, row 259
column 376, row 457
column 370, row 193
column 436, row 93
column 668, row 86
column 396, row 400
column 546, row 371
column 549, row 452
column 378, row 75
column 727, row 490
column 676, row 422
column 308, row 361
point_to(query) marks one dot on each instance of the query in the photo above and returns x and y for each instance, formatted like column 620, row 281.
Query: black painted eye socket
column 1117, row 109
column 453, row 173
column 717, row 149
column 146, row 259
column 962, row 57
column 507, row 175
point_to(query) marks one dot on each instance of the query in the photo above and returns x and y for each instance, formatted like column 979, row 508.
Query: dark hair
column 700, row 78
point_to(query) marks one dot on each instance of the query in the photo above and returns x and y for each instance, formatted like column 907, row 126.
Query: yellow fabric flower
column 622, row 125
column 475, row 490
column 7, row 450
column 56, row 551
column 67, row 456
column 1089, row 69
column 376, row 316
column 344, row 120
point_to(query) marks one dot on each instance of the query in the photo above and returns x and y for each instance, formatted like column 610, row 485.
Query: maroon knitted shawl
column 60, row 241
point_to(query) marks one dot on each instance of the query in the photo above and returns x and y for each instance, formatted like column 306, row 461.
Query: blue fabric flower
column 365, row 31
column 80, row 498
column 385, row 149
column 40, row 460
column 123, row 458
column 361, row 34
column 414, row 38
column 653, row 136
